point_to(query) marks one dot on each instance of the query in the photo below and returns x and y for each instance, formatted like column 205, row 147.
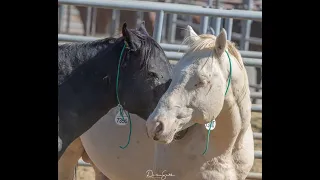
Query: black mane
column 146, row 48
column 72, row 55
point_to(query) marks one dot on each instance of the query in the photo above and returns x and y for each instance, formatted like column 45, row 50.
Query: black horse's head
column 145, row 72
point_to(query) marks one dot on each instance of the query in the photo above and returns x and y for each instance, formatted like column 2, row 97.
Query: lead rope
column 119, row 104
column 229, row 80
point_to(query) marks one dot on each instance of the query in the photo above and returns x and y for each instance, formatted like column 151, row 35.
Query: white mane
column 207, row 41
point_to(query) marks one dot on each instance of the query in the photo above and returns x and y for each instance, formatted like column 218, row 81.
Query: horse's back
column 65, row 51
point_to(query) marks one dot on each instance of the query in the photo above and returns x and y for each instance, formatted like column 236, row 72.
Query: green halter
column 119, row 104
column 229, row 81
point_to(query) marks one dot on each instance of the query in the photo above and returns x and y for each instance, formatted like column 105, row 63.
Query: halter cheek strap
column 228, row 85
column 118, row 99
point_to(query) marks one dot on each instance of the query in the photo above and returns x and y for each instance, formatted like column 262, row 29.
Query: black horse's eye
column 107, row 79
column 152, row 74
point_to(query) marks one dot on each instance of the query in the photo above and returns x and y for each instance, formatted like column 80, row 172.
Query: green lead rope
column 229, row 80
column 119, row 104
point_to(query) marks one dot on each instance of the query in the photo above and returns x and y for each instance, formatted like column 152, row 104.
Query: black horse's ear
column 129, row 37
column 142, row 28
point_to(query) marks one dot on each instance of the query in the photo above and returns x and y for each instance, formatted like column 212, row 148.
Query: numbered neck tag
column 122, row 121
column 212, row 126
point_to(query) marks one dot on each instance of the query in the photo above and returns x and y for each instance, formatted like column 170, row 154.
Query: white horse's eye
column 201, row 83
column 202, row 80
column 198, row 84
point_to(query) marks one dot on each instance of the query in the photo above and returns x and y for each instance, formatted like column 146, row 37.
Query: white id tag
column 122, row 121
column 212, row 126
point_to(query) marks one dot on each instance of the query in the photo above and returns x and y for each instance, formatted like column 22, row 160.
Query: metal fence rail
column 148, row 6
column 253, row 175
column 256, row 108
column 166, row 47
column 257, row 136
column 258, row 154
column 252, row 40
column 257, row 95
column 247, row 61
column 171, row 55
column 183, row 48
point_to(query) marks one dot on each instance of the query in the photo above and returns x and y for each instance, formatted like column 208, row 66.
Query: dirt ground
column 87, row 173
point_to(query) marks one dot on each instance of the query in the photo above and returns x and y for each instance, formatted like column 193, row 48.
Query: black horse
column 87, row 74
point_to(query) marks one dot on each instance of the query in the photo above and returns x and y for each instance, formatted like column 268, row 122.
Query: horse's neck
column 72, row 56
column 235, row 116
column 75, row 101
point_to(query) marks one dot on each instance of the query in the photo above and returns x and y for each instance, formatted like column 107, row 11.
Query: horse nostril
column 159, row 127
column 155, row 138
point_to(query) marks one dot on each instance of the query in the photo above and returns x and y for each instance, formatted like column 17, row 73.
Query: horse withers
column 88, row 75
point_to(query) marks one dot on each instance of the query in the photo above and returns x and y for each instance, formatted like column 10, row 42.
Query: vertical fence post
column 164, row 26
column 115, row 22
column 204, row 21
column 229, row 24
column 140, row 15
column 158, row 26
column 68, row 18
column 218, row 25
column 246, row 29
column 218, row 4
column 216, row 21
column 172, row 28
column 210, row 3
column 60, row 16
column 172, row 21
column 204, row 24
column 94, row 21
column 89, row 10
column 189, row 20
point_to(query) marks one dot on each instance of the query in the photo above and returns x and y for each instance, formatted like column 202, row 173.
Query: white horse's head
column 197, row 91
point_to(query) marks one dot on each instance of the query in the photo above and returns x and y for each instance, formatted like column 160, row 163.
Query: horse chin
column 177, row 136
column 166, row 140
column 163, row 142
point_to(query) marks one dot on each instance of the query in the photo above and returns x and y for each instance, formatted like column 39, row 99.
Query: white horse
column 209, row 83
column 196, row 95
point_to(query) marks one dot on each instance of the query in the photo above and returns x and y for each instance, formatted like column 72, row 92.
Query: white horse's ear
column 191, row 35
column 221, row 42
